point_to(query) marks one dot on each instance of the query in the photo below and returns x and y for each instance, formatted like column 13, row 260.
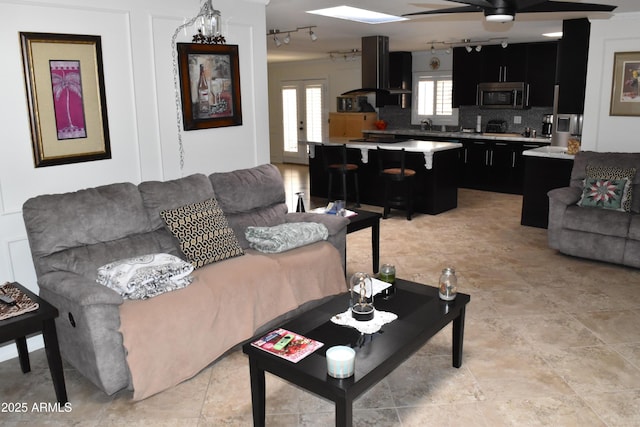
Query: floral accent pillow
column 145, row 276
column 608, row 188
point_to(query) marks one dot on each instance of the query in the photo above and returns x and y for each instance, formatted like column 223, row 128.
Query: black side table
column 363, row 220
column 42, row 320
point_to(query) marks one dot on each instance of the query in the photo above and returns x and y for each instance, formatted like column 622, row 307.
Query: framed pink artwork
column 66, row 98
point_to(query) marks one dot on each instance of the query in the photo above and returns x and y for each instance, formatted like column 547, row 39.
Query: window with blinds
column 434, row 96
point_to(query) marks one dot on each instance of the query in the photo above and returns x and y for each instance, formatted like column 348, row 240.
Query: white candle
column 340, row 361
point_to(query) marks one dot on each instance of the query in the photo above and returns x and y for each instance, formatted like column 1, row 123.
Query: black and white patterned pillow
column 203, row 232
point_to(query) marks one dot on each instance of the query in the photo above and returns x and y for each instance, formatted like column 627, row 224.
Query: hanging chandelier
column 208, row 22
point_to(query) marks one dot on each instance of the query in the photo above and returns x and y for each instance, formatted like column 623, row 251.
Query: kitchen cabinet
column 573, row 52
column 541, row 73
column 542, row 174
column 465, row 77
column 534, row 63
column 493, row 165
column 400, row 77
column 504, row 64
column 350, row 125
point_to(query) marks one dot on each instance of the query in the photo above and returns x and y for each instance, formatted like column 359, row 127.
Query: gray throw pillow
column 286, row 236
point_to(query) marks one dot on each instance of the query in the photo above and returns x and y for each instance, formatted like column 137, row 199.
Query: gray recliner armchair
column 600, row 234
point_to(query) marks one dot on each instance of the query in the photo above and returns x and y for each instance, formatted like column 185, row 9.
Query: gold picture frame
column 66, row 98
column 625, row 90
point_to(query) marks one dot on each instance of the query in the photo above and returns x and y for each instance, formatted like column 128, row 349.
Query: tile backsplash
column 400, row 118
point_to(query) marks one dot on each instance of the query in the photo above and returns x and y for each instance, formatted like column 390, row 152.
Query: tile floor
column 549, row 340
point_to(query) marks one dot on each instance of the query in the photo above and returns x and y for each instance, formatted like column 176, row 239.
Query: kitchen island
column 488, row 161
column 435, row 162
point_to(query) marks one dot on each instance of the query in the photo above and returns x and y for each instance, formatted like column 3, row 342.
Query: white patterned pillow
column 145, row 276
column 203, row 232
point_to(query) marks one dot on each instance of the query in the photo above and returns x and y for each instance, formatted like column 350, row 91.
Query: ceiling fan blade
column 463, row 9
column 479, row 3
column 557, row 6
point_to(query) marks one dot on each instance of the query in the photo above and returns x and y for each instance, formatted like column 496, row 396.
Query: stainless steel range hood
column 375, row 68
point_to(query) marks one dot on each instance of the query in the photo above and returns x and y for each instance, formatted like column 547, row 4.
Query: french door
column 304, row 115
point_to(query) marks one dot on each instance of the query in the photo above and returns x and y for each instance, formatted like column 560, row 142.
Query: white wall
column 602, row 132
column 138, row 71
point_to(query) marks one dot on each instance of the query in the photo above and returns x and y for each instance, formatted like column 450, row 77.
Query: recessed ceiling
column 415, row 34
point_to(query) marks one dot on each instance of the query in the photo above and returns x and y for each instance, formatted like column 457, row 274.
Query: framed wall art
column 66, row 98
column 209, row 85
column 625, row 91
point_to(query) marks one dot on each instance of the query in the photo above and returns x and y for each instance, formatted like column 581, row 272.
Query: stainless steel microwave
column 349, row 103
column 511, row 95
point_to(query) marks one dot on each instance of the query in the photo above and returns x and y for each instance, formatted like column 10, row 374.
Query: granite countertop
column 508, row 137
column 552, row 152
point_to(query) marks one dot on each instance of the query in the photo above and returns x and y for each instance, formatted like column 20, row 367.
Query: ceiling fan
column 505, row 10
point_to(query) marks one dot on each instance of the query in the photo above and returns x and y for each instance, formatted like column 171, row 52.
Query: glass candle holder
column 361, row 289
column 448, row 285
column 388, row 274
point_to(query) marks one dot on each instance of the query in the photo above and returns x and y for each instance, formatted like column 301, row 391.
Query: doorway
column 304, row 117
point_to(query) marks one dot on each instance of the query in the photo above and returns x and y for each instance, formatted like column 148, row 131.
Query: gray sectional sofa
column 591, row 232
column 152, row 344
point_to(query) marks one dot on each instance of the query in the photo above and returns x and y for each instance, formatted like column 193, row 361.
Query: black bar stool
column 335, row 163
column 398, row 180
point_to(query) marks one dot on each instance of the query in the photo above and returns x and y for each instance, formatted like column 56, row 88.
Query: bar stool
column 398, row 181
column 335, row 163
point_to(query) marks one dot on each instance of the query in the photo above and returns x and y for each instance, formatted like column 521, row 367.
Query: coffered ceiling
column 415, row 34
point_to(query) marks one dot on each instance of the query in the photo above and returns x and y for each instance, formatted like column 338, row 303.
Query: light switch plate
column 517, row 120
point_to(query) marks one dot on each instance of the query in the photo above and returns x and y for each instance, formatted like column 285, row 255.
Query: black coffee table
column 421, row 314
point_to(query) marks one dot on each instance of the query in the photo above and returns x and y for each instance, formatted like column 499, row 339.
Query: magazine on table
column 287, row 344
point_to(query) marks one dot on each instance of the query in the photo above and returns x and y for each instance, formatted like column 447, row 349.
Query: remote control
column 7, row 300
column 284, row 342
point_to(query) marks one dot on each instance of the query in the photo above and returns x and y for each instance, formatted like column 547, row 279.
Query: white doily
column 380, row 318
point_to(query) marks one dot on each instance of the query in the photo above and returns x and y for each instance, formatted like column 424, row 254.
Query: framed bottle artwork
column 209, row 85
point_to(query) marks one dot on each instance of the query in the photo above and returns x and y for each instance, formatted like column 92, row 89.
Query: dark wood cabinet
column 541, row 73
column 493, row 165
column 400, row 77
column 504, row 64
column 542, row 174
column 465, row 76
column 573, row 52
column 534, row 63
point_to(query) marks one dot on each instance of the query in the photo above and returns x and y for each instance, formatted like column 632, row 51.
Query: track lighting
column 468, row 44
column 347, row 55
column 287, row 39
